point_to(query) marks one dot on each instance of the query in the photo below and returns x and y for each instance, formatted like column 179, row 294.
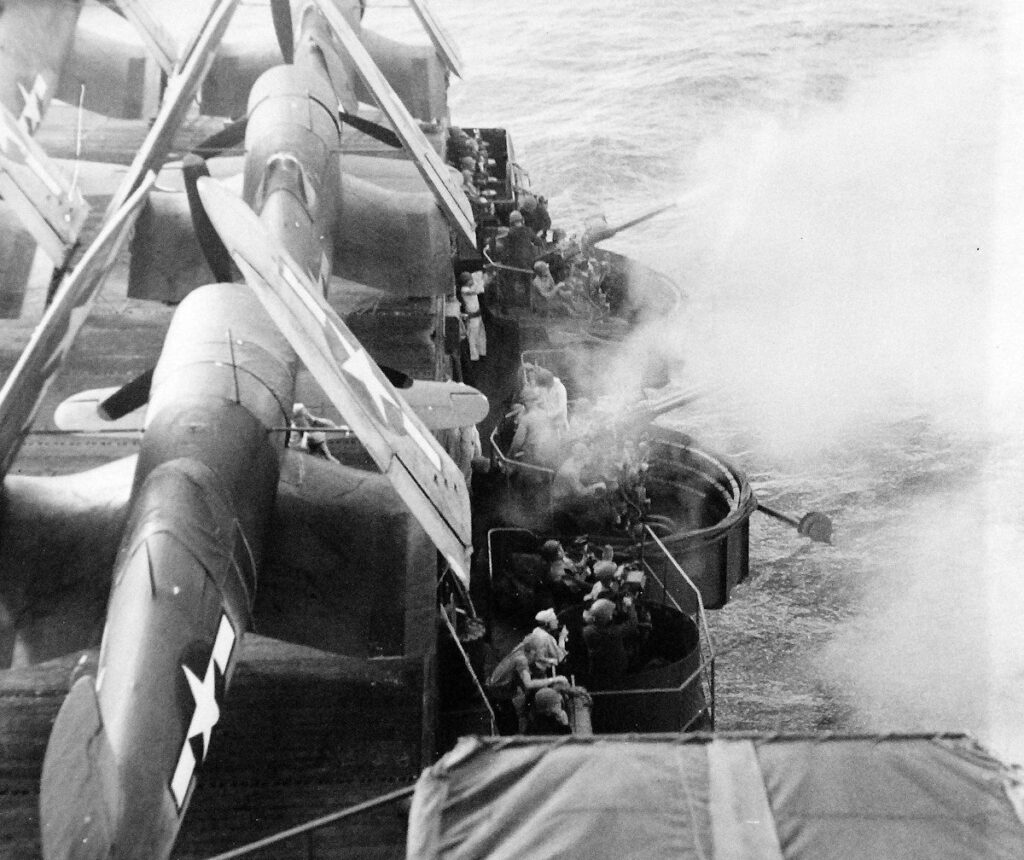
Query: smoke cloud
column 850, row 257
column 856, row 281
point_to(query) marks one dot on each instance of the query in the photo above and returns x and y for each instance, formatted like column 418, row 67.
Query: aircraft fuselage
column 128, row 744
column 291, row 170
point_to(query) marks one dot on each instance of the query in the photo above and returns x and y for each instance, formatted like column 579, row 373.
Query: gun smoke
column 853, row 276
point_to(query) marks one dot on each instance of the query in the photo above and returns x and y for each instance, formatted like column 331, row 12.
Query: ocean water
column 846, row 229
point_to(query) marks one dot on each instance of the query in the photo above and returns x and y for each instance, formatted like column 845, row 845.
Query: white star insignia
column 358, row 365
column 207, row 712
column 31, row 113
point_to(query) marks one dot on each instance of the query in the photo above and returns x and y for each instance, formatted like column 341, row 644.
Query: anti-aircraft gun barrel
column 592, row 237
column 643, row 414
column 634, row 417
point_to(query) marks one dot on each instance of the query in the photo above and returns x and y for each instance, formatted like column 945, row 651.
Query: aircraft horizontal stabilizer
column 446, row 405
column 83, row 413
column 439, row 405
column 401, row 446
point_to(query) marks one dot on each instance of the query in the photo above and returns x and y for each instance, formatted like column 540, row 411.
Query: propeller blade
column 229, row 137
column 281, row 10
column 193, row 168
column 127, row 398
column 373, row 129
column 435, row 172
column 418, row 468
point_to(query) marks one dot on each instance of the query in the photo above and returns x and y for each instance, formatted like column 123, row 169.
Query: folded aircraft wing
column 50, row 342
column 419, row 469
column 435, row 172
column 146, row 20
column 443, row 43
column 35, row 38
column 181, row 89
column 50, row 207
column 39, row 363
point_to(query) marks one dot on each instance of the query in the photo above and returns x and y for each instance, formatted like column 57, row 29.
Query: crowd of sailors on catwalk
column 590, row 622
column 591, row 630
column 531, row 265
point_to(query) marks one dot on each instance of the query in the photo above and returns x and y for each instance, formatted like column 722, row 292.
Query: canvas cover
column 719, row 796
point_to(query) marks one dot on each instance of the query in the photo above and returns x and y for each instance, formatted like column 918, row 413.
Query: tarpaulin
column 718, row 796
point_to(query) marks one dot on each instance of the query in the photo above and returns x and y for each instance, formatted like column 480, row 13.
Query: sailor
column 547, row 715
column 470, row 190
column 563, row 582
column 313, row 441
column 460, row 145
column 537, row 218
column 548, row 620
column 545, row 294
column 519, row 676
column 470, row 289
column 568, row 489
column 555, row 256
column 535, row 441
column 468, row 449
column 606, row 585
column 521, row 250
column 454, row 334
column 556, row 399
column 609, row 645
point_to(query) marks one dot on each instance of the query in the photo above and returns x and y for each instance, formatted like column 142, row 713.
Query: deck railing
column 656, row 557
column 673, row 576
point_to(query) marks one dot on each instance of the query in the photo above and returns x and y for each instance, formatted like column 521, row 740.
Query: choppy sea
column 848, row 202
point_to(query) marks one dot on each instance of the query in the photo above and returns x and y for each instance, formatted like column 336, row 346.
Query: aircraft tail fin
column 36, row 36
column 80, row 795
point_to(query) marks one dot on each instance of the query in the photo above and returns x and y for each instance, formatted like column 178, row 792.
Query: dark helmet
column 550, row 550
